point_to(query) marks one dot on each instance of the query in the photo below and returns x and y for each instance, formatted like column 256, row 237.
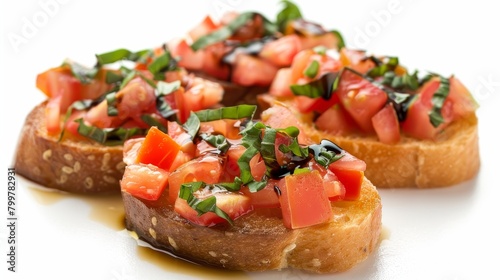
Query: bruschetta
column 412, row 130
column 74, row 140
column 232, row 192
column 247, row 49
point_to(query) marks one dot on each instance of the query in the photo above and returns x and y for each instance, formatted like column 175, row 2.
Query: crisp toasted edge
column 258, row 241
column 71, row 165
column 450, row 159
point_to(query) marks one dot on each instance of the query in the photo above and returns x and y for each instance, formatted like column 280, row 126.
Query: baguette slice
column 259, row 241
column 72, row 165
column 452, row 158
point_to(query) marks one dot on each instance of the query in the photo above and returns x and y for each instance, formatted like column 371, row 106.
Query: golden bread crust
column 72, row 165
column 259, row 241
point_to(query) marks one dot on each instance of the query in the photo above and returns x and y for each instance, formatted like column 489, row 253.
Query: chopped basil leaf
column 255, row 186
column 218, row 141
column 406, row 82
column 312, row 70
column 84, row 74
column 112, row 77
column 233, row 186
column 151, row 121
column 295, row 149
column 387, row 64
column 252, row 141
column 165, row 88
column 267, row 150
column 326, row 152
column 164, row 108
column 289, row 12
column 437, row 100
column 322, row 87
column 301, row 170
column 111, row 100
column 121, row 54
column 161, row 64
column 201, row 206
column 340, row 38
column 233, row 112
column 192, row 125
column 227, row 31
column 127, row 79
column 108, row 137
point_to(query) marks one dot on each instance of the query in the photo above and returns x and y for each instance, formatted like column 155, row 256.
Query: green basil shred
column 322, row 87
column 202, row 206
column 435, row 116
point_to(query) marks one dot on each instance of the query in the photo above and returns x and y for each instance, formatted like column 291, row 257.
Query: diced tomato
column 98, row 116
column 60, row 82
column 229, row 128
column 386, row 125
column 212, row 62
column 334, row 189
column 360, row 98
column 281, row 51
column 233, row 204
column 417, row 123
column 280, row 116
column 350, row 172
column 135, row 98
column 207, row 169
column 252, row 71
column 144, row 181
column 97, row 86
column 462, row 99
column 352, row 181
column 131, row 148
column 257, row 168
column 201, row 94
column 306, row 104
column 63, row 89
column 265, row 198
column 158, row 149
column 188, row 58
column 180, row 159
column 304, row 58
column 281, row 84
column 336, row 120
column 303, row 200
column 52, row 115
column 71, row 125
column 205, row 27
column 348, row 162
column 231, row 167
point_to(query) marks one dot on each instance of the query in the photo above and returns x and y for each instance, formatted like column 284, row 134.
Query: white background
column 449, row 234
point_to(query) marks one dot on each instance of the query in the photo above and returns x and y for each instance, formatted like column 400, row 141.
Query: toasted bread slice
column 259, row 241
column 448, row 160
column 70, row 164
